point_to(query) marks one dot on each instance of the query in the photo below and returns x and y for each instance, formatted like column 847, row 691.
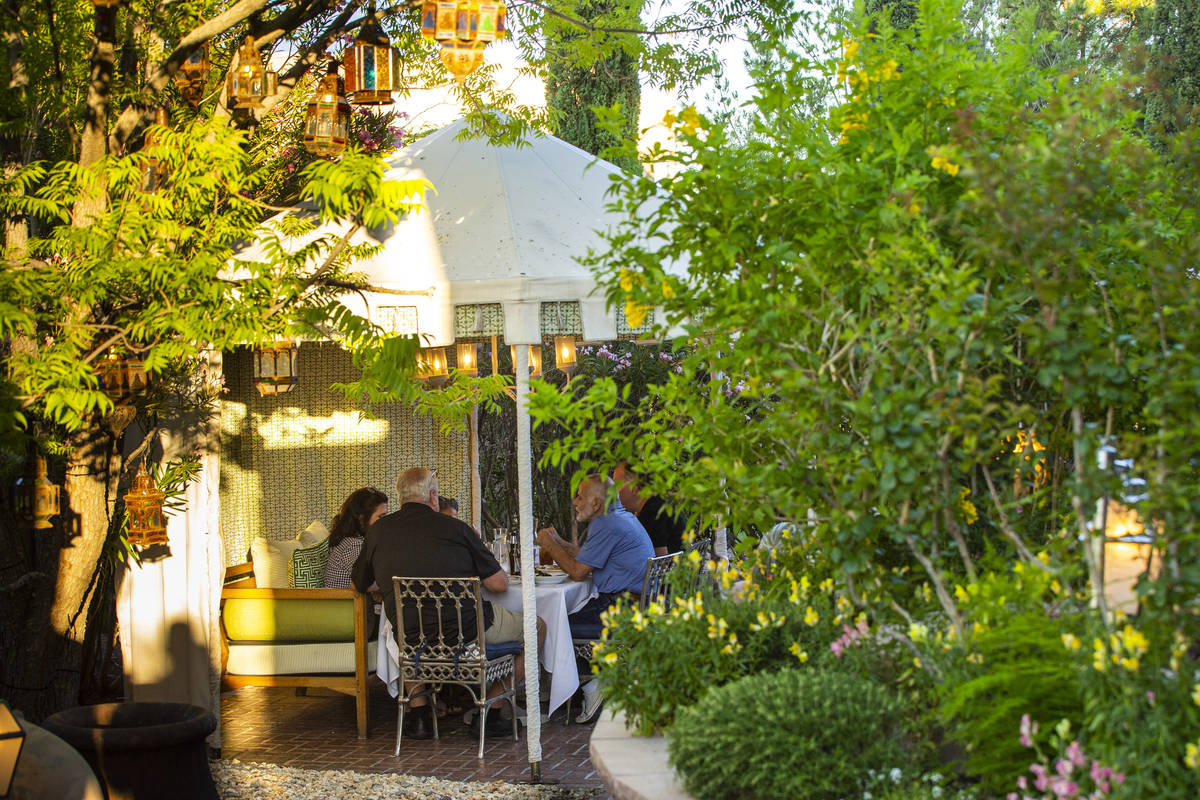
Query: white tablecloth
column 554, row 603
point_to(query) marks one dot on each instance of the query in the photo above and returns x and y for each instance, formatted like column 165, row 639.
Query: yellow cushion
column 270, row 620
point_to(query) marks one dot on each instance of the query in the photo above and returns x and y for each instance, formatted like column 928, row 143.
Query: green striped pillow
column 306, row 570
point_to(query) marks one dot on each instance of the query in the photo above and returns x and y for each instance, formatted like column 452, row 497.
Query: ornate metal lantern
column 467, row 358
column 275, row 367
column 38, row 498
column 154, row 172
column 1128, row 555
column 564, row 354
column 12, row 738
column 247, row 85
column 327, row 121
column 192, row 76
column 372, row 66
column 463, row 27
column 535, row 359
column 144, row 507
column 431, row 366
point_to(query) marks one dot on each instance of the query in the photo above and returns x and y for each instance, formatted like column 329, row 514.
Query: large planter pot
column 49, row 767
column 142, row 751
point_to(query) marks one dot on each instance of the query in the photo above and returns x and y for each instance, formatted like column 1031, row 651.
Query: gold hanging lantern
column 275, row 367
column 372, row 66
column 121, row 376
column 467, row 358
column 192, row 76
column 432, row 367
column 327, row 121
column 564, row 354
column 154, row 172
column 535, row 359
column 38, row 498
column 144, row 508
column 463, row 27
column 247, row 85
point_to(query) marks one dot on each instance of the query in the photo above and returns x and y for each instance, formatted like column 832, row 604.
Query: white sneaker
column 591, row 707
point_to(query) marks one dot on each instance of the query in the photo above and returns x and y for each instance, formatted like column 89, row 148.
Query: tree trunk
column 94, row 144
column 90, row 486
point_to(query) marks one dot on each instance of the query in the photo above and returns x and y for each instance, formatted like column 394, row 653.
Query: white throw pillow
column 271, row 560
column 273, row 557
column 315, row 532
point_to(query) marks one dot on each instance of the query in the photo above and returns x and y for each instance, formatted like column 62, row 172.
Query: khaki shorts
column 507, row 626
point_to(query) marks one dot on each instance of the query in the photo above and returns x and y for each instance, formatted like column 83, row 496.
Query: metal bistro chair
column 654, row 587
column 442, row 655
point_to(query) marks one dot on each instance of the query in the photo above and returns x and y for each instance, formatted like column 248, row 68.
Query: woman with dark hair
column 358, row 513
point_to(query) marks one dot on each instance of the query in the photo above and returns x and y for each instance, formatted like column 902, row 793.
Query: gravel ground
column 247, row 781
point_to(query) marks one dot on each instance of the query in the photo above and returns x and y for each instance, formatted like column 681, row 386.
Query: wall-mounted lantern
column 564, row 354
column 432, row 367
column 535, row 359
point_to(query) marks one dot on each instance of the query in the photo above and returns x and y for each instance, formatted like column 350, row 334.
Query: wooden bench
column 277, row 630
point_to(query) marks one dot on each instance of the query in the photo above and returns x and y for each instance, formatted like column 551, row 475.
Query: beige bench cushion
column 294, row 659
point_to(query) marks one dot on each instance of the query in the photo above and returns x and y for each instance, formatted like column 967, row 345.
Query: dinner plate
column 549, row 580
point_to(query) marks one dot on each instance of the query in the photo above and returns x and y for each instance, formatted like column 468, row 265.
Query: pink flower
column 1040, row 781
column 1064, row 767
column 1029, row 729
column 1075, row 753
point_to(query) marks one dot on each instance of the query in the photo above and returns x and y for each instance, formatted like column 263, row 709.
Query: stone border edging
column 632, row 767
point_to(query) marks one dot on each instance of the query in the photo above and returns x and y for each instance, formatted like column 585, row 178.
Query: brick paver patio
column 276, row 726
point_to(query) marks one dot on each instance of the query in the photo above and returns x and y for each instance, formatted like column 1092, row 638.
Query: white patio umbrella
column 495, row 254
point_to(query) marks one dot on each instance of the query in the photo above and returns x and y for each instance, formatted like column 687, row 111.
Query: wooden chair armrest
column 240, row 575
column 289, row 594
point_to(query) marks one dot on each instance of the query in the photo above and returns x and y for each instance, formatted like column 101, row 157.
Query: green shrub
column 1019, row 667
column 811, row 734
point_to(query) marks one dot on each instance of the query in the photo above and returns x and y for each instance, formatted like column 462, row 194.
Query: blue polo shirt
column 616, row 549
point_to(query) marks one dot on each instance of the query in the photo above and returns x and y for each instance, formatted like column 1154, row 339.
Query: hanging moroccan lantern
column 121, row 376
column 564, row 354
column 192, row 76
column 154, row 172
column 247, row 85
column 372, row 66
column 467, row 358
column 327, row 121
column 275, row 367
column 144, row 507
column 463, row 27
column 432, row 367
column 38, row 498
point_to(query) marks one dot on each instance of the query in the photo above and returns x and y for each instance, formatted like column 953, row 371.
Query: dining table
column 555, row 601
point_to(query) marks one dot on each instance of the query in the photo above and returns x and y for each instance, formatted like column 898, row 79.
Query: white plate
column 549, row 580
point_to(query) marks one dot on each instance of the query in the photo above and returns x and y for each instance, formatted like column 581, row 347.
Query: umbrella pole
column 533, row 707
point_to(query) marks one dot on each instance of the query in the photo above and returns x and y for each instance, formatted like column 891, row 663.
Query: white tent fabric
column 504, row 225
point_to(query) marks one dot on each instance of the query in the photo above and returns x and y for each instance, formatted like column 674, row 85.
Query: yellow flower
column 975, row 658
column 667, row 290
column 849, row 49
column 918, row 632
column 969, row 512
column 888, row 70
column 690, row 119
column 811, row 617
column 914, row 207
column 798, row 652
column 1191, row 758
column 945, row 165
column 916, row 662
column 1131, row 663
column 635, row 316
column 805, row 584
column 1196, row 694
column 609, row 658
column 1070, row 642
column 1134, row 640
column 1055, row 586
column 960, row 593
column 843, row 604
column 626, row 280
column 826, row 585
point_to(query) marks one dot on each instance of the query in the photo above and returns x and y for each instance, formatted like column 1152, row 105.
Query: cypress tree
column 573, row 87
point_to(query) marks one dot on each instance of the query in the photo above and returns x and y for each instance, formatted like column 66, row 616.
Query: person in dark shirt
column 666, row 530
column 417, row 541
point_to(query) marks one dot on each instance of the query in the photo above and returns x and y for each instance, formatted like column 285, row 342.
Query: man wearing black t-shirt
column 417, row 541
column 666, row 531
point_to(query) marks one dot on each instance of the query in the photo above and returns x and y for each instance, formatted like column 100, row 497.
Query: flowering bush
column 1069, row 774
column 654, row 663
column 814, row 733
